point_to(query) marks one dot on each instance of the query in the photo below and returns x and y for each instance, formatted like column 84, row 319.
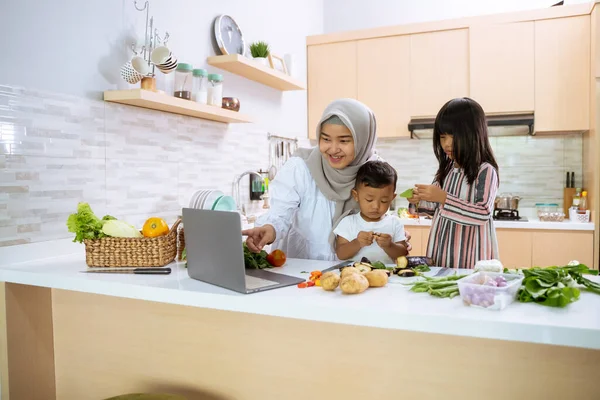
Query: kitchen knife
column 568, row 180
column 572, row 179
column 338, row 266
column 141, row 271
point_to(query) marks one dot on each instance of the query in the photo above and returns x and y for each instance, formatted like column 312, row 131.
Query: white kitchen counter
column 392, row 307
column 530, row 224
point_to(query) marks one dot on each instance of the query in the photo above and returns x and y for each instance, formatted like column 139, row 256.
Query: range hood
column 498, row 125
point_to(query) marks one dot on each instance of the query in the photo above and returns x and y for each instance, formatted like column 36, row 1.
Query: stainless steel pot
column 507, row 202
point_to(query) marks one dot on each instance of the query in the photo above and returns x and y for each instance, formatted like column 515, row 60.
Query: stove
column 508, row 215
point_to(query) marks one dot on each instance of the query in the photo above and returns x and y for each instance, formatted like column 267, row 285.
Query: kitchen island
column 70, row 335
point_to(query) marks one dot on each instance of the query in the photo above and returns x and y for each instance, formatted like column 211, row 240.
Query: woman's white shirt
column 300, row 214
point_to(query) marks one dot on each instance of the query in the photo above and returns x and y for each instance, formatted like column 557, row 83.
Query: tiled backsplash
column 532, row 167
column 57, row 150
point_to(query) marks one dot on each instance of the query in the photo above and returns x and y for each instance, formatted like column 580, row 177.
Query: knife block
column 568, row 194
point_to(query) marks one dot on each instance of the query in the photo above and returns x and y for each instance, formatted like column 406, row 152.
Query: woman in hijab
column 312, row 191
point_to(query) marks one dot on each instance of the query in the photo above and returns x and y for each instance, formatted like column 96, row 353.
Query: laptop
column 215, row 254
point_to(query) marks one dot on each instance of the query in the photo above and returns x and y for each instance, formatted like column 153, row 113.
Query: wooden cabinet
column 419, row 239
column 502, row 67
column 562, row 74
column 439, row 70
column 384, row 82
column 558, row 248
column 514, row 247
column 331, row 75
column 526, row 248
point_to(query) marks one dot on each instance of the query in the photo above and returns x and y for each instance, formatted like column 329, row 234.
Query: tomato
column 276, row 258
column 154, row 227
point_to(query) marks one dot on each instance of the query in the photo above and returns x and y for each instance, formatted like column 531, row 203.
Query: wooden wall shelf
column 252, row 70
column 163, row 102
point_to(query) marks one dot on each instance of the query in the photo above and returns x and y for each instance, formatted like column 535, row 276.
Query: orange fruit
column 154, row 227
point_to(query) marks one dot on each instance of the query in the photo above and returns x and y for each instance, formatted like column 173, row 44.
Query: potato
column 330, row 280
column 354, row 284
column 377, row 278
column 349, row 271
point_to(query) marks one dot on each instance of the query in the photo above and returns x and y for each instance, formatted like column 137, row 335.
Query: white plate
column 200, row 199
column 211, row 199
column 194, row 198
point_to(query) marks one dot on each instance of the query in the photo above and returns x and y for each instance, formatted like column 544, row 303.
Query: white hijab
column 337, row 184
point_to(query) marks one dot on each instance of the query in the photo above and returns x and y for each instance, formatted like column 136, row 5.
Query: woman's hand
column 431, row 193
column 259, row 237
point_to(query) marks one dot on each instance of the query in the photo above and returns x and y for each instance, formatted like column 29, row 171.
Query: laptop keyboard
column 253, row 282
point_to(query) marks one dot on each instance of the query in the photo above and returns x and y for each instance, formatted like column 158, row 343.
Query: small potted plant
column 260, row 52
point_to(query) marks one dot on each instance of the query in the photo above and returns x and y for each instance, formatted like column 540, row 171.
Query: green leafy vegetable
column 408, row 193
column 378, row 265
column 255, row 260
column 85, row 224
column 554, row 286
column 421, row 268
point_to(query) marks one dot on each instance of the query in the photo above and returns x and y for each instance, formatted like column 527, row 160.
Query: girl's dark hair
column 464, row 119
column 376, row 174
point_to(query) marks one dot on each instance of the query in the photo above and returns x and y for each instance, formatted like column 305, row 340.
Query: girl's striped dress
column 462, row 230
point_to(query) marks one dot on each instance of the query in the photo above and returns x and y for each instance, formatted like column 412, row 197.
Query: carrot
column 310, row 284
column 303, row 285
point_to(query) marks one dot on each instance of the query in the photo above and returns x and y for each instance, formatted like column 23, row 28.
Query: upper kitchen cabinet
column 331, row 75
column 562, row 74
column 439, row 70
column 502, row 67
column 383, row 83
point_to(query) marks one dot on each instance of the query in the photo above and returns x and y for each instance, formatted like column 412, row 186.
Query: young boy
column 371, row 233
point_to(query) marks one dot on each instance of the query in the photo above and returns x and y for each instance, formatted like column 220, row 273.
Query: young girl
column 461, row 198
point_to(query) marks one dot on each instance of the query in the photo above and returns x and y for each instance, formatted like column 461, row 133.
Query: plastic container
column 215, row 90
column 183, row 81
column 558, row 216
column 200, row 86
column 476, row 291
column 546, row 208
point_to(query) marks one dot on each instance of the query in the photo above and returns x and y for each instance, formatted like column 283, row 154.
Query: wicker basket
column 132, row 252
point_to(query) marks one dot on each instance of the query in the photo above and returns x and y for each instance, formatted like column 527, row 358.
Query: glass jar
column 200, row 86
column 183, row 81
column 215, row 90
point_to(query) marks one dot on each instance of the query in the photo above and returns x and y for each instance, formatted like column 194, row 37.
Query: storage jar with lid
column 215, row 90
column 200, row 86
column 183, row 81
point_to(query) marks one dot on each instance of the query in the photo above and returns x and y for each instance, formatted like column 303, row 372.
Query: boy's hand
column 365, row 238
column 384, row 240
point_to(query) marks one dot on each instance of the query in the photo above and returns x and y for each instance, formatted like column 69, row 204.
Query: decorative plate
column 228, row 36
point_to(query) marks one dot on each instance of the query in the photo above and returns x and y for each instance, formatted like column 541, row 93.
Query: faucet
column 236, row 188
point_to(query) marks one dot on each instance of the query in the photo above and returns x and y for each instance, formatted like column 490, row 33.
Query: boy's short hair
column 376, row 174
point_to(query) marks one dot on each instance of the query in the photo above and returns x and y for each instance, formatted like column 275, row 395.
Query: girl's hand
column 430, row 193
column 383, row 240
column 365, row 238
column 259, row 237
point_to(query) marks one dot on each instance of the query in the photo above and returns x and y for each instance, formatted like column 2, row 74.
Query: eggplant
column 406, row 273
column 362, row 267
column 415, row 261
column 365, row 260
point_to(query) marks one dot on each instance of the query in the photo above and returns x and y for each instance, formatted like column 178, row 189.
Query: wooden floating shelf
column 252, row 70
column 163, row 102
